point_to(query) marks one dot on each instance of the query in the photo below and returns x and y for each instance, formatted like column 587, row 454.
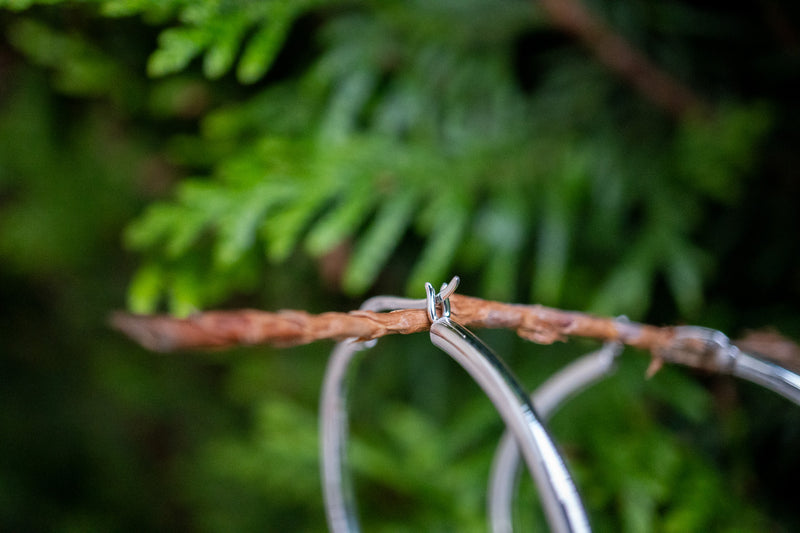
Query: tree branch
column 623, row 58
column 543, row 325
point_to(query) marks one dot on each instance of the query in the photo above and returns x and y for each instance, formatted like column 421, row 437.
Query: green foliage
column 80, row 68
column 656, row 481
column 409, row 140
column 413, row 124
column 219, row 29
column 34, row 151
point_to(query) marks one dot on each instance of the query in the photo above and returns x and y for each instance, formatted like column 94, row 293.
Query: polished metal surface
column 563, row 507
column 340, row 507
column 719, row 355
column 768, row 375
column 567, row 382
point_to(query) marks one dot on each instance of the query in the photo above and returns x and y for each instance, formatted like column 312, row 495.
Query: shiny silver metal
column 716, row 353
column 561, row 386
column 434, row 299
column 340, row 507
column 769, row 375
column 562, row 504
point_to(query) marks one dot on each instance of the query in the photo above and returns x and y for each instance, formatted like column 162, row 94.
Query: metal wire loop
column 442, row 298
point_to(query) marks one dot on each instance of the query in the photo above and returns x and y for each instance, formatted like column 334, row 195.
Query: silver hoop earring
column 337, row 490
column 548, row 397
column 713, row 350
column 563, row 506
column 718, row 354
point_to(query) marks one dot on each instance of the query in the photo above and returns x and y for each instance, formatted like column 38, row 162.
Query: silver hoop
column 548, row 398
column 337, row 489
column 706, row 348
column 556, row 489
column 563, row 508
column 712, row 350
column 559, row 497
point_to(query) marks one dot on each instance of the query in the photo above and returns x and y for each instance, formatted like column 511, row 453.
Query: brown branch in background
column 623, row 58
column 773, row 345
column 227, row 329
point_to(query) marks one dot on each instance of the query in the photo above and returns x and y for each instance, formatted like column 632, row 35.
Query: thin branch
column 623, row 58
column 543, row 325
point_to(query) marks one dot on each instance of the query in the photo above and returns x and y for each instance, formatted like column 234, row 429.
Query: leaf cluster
column 413, row 129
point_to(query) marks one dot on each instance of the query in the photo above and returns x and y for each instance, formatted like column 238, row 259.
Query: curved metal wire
column 561, row 386
column 340, row 506
column 562, row 503
column 717, row 354
column 769, row 375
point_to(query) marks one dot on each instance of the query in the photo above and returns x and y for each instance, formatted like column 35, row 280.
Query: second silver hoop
column 548, row 397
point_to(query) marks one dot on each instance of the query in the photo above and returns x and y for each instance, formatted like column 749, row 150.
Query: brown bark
column 226, row 329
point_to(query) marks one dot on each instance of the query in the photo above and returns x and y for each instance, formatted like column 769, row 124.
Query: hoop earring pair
column 563, row 507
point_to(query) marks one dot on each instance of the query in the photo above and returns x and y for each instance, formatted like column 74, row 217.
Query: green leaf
column 342, row 221
column 713, row 154
column 452, row 217
column 349, row 98
column 262, row 49
column 237, row 228
column 189, row 225
column 201, row 204
column 177, row 47
column 627, row 289
column 152, row 227
column 500, row 273
column 145, row 289
column 80, row 68
column 638, row 508
column 552, row 255
column 17, row 5
column 684, row 273
column 372, row 249
column 222, row 53
column 154, row 11
column 282, row 230
column 185, row 294
column 501, row 228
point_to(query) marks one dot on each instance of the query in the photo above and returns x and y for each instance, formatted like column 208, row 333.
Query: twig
column 223, row 329
column 544, row 325
column 623, row 58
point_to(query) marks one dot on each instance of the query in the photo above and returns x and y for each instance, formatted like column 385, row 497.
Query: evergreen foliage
column 415, row 139
column 419, row 121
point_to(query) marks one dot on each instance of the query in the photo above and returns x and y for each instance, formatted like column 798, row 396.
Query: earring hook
column 442, row 297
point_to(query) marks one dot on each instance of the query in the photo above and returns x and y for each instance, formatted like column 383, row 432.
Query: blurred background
column 611, row 156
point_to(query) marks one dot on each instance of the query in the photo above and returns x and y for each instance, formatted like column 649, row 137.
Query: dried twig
column 222, row 329
column 225, row 329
